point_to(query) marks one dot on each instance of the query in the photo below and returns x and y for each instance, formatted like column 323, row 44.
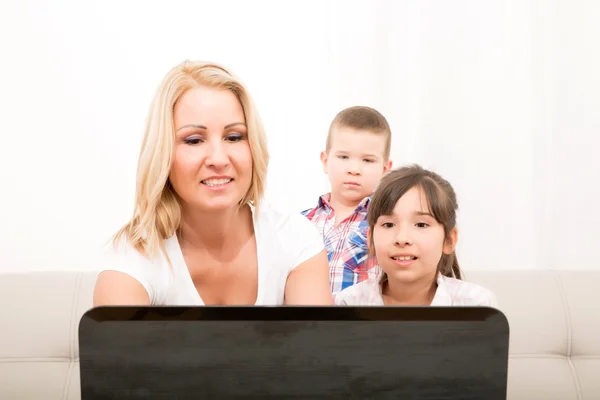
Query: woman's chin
column 218, row 205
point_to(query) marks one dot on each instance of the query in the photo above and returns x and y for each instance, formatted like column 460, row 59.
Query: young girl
column 412, row 237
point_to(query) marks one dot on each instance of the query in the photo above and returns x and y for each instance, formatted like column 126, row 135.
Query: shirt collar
column 325, row 202
column 442, row 297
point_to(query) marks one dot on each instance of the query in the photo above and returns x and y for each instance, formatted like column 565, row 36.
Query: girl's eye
column 192, row 140
column 422, row 224
column 387, row 225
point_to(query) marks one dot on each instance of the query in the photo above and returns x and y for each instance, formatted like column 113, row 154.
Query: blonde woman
column 200, row 234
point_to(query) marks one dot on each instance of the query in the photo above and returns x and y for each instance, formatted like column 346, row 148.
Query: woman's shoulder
column 463, row 292
column 122, row 251
column 285, row 226
column 291, row 239
column 278, row 218
column 153, row 272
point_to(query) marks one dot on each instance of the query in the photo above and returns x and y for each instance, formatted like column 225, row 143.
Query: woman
column 200, row 234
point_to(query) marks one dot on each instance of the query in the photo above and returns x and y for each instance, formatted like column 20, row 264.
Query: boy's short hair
column 365, row 119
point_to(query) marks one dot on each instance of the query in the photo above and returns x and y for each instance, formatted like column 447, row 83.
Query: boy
column 356, row 156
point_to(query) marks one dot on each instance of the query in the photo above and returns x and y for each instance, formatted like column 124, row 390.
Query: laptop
column 293, row 353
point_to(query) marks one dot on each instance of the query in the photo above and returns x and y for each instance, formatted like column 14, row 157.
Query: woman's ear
column 450, row 242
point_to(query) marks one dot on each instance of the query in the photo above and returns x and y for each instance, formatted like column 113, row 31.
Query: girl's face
column 410, row 242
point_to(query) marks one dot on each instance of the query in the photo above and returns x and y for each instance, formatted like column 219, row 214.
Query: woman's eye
column 387, row 225
column 193, row 140
column 234, row 138
column 422, row 224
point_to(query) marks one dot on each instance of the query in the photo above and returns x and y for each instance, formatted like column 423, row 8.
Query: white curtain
column 501, row 97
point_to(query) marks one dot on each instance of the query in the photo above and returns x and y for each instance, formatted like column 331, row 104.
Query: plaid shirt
column 346, row 243
column 449, row 292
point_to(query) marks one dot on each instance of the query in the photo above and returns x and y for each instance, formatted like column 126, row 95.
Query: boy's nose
column 354, row 169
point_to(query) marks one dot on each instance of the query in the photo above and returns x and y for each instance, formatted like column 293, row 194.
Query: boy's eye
column 343, row 157
column 387, row 225
column 368, row 160
column 422, row 224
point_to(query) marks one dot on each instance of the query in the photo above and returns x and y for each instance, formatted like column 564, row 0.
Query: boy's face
column 354, row 164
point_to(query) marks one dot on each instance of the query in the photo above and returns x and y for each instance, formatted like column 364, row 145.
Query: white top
column 283, row 241
column 449, row 292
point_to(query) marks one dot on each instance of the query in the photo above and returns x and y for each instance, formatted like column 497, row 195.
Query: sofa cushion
column 554, row 330
column 40, row 316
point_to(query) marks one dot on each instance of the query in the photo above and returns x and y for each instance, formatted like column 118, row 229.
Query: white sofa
column 554, row 321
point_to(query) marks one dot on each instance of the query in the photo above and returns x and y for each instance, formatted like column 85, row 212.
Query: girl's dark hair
column 440, row 197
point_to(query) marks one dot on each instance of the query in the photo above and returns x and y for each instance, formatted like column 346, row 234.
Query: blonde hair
column 157, row 213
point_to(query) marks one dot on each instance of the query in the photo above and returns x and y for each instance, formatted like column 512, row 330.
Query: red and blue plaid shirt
column 346, row 244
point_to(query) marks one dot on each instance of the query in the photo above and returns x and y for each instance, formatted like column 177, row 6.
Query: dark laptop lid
column 293, row 353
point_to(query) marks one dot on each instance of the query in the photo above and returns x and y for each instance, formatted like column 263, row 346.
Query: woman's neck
column 417, row 293
column 216, row 231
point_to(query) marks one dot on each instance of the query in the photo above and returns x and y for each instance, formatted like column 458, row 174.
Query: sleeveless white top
column 283, row 240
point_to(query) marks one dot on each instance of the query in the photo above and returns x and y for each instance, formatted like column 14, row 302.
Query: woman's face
column 212, row 166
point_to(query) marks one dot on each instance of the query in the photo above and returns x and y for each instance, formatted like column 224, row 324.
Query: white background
column 500, row 97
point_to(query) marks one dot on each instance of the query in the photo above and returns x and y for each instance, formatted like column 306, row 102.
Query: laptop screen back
column 293, row 353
